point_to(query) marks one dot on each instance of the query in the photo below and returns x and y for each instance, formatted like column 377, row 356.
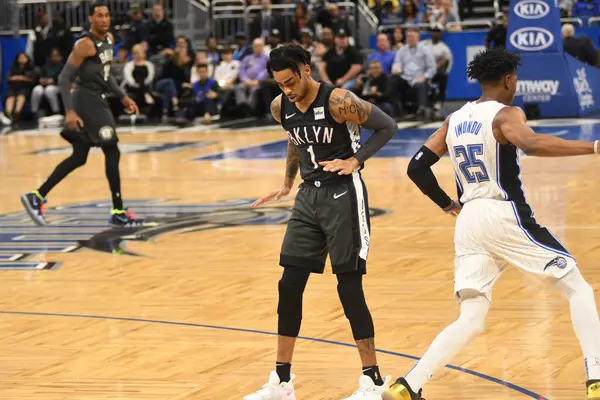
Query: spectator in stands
column 581, row 47
column 160, row 31
column 327, row 38
column 21, row 77
column 389, row 15
column 47, row 84
column 342, row 63
column 138, row 76
column 410, row 13
column 377, row 9
column 263, row 23
column 243, row 49
column 138, row 32
column 206, row 96
column 397, row 38
column 415, row 67
column 201, row 59
column 443, row 60
column 306, row 40
column 41, row 46
column 496, row 37
column 335, row 20
column 212, row 51
column 227, row 73
column 445, row 16
column 274, row 41
column 301, row 20
column 118, row 64
column 565, row 8
column 376, row 87
column 586, row 8
column 60, row 36
column 184, row 43
column 252, row 71
column 176, row 76
column 383, row 54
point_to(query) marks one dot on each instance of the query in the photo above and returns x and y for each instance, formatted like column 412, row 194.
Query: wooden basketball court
column 192, row 314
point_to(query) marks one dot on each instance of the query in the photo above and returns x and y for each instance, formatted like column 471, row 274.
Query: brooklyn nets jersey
column 317, row 136
column 484, row 168
column 94, row 72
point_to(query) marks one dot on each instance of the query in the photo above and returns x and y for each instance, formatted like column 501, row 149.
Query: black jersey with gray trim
column 317, row 136
column 94, row 72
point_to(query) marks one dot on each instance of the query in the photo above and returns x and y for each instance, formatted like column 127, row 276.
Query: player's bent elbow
column 414, row 170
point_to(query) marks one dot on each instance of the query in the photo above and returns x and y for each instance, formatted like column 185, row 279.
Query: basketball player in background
column 89, row 121
column 331, row 212
column 496, row 224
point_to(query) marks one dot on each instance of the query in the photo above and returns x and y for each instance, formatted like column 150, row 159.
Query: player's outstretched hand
column 454, row 209
column 342, row 167
column 130, row 106
column 273, row 196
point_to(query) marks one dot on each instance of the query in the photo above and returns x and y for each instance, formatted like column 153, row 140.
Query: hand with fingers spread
column 342, row 167
column 273, row 196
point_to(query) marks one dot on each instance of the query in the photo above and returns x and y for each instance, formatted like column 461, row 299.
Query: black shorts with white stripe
column 329, row 219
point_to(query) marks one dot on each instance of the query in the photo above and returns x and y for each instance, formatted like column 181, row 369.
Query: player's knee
column 473, row 312
column 355, row 306
column 79, row 158
column 291, row 290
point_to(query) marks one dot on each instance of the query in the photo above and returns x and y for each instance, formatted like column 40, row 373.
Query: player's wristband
column 451, row 207
column 595, row 146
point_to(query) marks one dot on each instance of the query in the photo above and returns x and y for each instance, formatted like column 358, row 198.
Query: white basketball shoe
column 368, row 390
column 274, row 389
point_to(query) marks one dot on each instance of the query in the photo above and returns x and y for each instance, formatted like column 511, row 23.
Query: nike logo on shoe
column 289, row 116
column 337, row 196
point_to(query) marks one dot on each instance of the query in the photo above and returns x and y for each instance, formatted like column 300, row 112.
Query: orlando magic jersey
column 485, row 169
column 317, row 136
column 94, row 72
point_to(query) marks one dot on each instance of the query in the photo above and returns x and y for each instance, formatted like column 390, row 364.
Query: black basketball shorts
column 99, row 127
column 328, row 219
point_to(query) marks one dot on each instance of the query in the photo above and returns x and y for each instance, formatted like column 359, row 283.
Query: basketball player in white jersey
column 495, row 224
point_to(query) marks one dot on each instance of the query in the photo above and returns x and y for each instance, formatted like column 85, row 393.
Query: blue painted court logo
column 76, row 227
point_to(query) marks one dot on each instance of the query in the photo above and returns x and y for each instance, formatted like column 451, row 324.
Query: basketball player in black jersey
column 331, row 212
column 89, row 121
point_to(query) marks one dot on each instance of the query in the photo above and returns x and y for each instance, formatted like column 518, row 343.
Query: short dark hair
column 491, row 65
column 226, row 50
column 201, row 66
column 95, row 5
column 287, row 57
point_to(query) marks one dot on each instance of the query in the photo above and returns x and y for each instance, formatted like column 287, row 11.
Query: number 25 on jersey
column 471, row 167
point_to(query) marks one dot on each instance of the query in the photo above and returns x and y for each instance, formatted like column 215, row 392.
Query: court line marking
column 507, row 384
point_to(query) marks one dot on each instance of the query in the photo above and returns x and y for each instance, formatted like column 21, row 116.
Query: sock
column 373, row 373
column 111, row 159
column 450, row 341
column 283, row 370
column 584, row 317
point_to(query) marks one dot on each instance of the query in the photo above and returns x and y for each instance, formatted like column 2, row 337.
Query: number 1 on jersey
column 311, row 151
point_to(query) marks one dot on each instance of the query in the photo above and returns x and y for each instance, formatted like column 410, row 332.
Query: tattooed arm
column 345, row 106
column 292, row 163
column 276, row 108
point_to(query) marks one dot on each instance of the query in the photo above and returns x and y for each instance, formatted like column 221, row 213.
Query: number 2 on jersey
column 311, row 151
column 468, row 155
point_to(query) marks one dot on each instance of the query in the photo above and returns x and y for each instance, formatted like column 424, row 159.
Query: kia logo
column 532, row 9
column 531, row 39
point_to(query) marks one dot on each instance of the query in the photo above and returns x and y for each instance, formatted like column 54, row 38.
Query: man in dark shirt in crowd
column 342, row 63
column 160, row 30
column 138, row 33
column 243, row 48
column 496, row 37
column 376, row 87
column 581, row 47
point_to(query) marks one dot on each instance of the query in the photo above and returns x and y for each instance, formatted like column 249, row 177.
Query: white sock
column 584, row 317
column 450, row 341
